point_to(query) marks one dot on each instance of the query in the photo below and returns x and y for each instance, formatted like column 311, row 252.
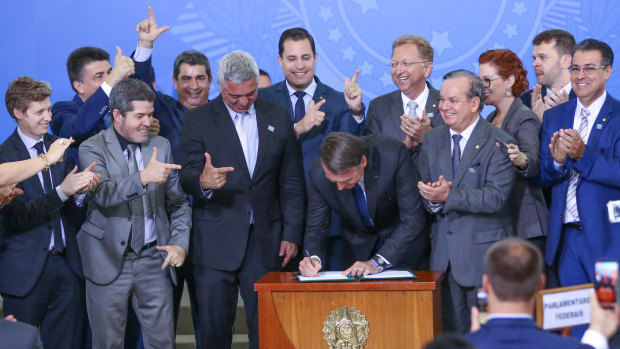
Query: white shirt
column 466, row 134
column 420, row 101
column 307, row 97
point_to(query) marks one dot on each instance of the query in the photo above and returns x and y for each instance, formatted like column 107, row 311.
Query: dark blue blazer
column 27, row 223
column 518, row 334
column 168, row 110
column 526, row 97
column 80, row 120
column 338, row 118
column 19, row 335
column 599, row 180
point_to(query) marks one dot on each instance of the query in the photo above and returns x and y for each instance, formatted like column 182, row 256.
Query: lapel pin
column 472, row 170
column 434, row 105
column 270, row 128
column 599, row 126
column 430, row 115
column 477, row 146
column 604, row 119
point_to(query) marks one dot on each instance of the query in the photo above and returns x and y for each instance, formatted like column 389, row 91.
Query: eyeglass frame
column 405, row 63
column 588, row 69
column 487, row 82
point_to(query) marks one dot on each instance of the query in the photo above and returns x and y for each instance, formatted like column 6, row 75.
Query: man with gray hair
column 465, row 180
column 137, row 231
column 240, row 163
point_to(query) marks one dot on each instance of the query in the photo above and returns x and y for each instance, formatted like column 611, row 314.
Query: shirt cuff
column 61, row 195
column 208, row 193
column 558, row 167
column 79, row 199
column 594, row 339
column 387, row 263
column 142, row 54
column 317, row 257
column 106, row 88
column 435, row 207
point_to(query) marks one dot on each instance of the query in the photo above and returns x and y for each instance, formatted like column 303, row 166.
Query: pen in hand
column 307, row 254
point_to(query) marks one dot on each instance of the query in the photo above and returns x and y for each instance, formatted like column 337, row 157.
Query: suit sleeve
column 373, row 127
column 528, row 140
column 317, row 223
column 177, row 207
column 143, row 71
column 548, row 175
column 66, row 122
column 109, row 193
column 424, row 171
column 292, row 188
column 492, row 195
column 602, row 168
column 192, row 157
column 410, row 209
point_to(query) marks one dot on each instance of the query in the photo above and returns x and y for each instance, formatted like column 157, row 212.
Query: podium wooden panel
column 400, row 313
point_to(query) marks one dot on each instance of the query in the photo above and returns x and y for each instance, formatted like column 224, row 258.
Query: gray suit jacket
column 19, row 335
column 103, row 237
column 384, row 113
column 476, row 212
column 527, row 203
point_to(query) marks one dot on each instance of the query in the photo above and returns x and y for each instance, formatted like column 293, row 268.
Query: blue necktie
column 456, row 153
column 362, row 206
column 55, row 214
column 300, row 107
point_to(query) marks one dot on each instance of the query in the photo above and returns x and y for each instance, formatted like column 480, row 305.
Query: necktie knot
column 585, row 113
column 299, row 94
column 412, row 108
column 456, row 138
column 39, row 147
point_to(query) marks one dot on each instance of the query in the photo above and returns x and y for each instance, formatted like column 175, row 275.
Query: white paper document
column 337, row 276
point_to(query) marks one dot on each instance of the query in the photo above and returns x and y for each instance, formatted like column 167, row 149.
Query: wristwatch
column 382, row 263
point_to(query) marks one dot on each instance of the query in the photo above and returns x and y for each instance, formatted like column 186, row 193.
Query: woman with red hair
column 505, row 79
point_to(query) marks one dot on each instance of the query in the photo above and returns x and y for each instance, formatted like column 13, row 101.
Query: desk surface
column 286, row 281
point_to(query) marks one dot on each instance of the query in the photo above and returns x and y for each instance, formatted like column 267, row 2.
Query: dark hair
column 342, row 151
column 449, row 341
column 595, row 45
column 126, row 91
column 564, row 41
column 295, row 34
column 507, row 63
column 79, row 58
column 24, row 90
column 191, row 57
column 514, row 267
column 262, row 72
column 476, row 87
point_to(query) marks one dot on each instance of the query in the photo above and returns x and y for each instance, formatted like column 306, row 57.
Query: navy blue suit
column 518, row 334
column 27, row 273
column 80, row 120
column 599, row 182
column 338, row 118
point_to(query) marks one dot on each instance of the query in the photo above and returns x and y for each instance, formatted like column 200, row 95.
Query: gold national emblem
column 346, row 328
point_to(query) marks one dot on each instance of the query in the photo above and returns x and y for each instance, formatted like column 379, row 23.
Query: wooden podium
column 400, row 313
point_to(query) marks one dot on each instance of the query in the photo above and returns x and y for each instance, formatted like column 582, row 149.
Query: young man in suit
column 138, row 224
column 240, row 163
column 465, row 180
column 40, row 270
column 370, row 182
column 552, row 60
column 513, row 272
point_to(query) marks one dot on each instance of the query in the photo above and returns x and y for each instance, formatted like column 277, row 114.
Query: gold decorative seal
column 346, row 328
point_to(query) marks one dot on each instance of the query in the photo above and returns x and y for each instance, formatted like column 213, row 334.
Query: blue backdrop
column 350, row 34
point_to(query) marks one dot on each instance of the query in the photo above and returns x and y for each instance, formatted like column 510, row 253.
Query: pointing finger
column 154, row 156
column 318, row 106
column 151, row 14
column 90, row 167
column 172, row 166
column 119, row 52
column 357, row 73
column 224, row 169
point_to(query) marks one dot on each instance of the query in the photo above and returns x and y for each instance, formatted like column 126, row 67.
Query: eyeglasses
column 404, row 63
column 588, row 69
column 487, row 81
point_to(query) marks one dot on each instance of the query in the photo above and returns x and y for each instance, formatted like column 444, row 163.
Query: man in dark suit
column 18, row 335
column 466, row 181
column 552, row 59
column 370, row 182
column 138, row 223
column 240, row 164
column 513, row 273
column 40, row 269
column 407, row 113
column 579, row 158
column 92, row 79
column 315, row 108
